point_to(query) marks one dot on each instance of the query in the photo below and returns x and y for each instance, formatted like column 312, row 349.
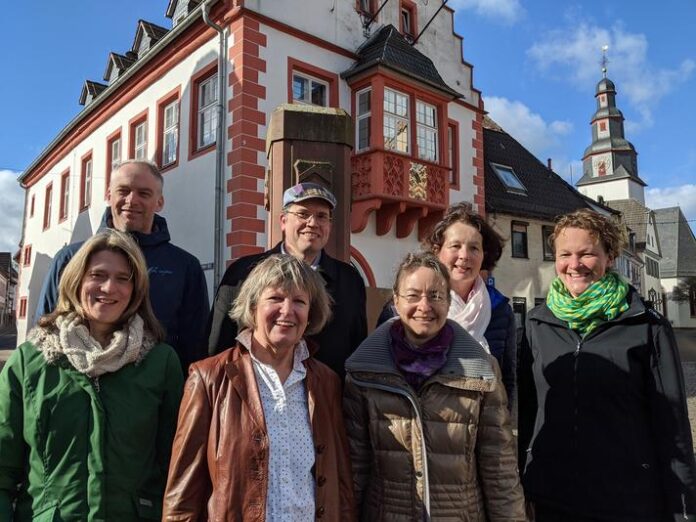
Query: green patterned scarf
column 602, row 301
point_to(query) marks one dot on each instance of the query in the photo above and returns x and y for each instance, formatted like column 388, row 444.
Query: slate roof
column 677, row 242
column 153, row 31
column 388, row 48
column 635, row 215
column 91, row 88
column 548, row 195
column 120, row 61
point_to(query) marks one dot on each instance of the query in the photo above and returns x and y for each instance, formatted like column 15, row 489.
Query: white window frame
column 311, row 81
column 407, row 21
column 170, row 133
column 65, row 197
column 427, row 131
column 207, row 113
column 362, row 117
column 397, row 122
column 140, row 138
column 115, row 145
column 87, row 189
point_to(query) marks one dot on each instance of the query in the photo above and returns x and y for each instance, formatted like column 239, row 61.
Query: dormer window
column 509, row 178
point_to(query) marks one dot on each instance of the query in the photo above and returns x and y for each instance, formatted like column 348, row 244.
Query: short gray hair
column 149, row 165
column 414, row 261
column 288, row 273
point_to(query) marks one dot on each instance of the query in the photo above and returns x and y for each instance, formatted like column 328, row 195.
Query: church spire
column 609, row 164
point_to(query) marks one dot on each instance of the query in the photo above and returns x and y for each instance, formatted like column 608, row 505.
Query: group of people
column 299, row 415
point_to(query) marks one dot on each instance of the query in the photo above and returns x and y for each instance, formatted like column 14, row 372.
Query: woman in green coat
column 88, row 404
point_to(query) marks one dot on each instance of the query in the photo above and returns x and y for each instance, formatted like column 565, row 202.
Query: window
column 519, row 239
column 396, row 119
column 692, row 300
column 22, row 307
column 113, row 157
column 539, row 301
column 509, row 178
column 547, row 249
column 26, row 255
column 47, row 206
column 308, row 90
column 519, row 308
column 86, row 182
column 364, row 118
column 64, row 195
column 408, row 19
column 602, row 125
column 207, row 113
column 137, row 147
column 652, row 267
column 31, row 207
column 453, row 152
column 167, row 154
column 426, row 131
column 366, row 6
column 632, row 241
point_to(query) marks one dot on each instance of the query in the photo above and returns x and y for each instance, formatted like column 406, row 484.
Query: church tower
column 609, row 164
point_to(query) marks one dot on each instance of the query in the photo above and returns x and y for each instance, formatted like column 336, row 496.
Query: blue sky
column 537, row 64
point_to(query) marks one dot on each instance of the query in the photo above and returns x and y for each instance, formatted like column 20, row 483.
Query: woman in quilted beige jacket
column 427, row 414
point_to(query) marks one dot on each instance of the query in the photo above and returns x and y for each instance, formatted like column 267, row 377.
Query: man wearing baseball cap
column 306, row 225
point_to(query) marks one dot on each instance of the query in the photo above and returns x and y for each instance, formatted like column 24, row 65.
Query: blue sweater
column 178, row 290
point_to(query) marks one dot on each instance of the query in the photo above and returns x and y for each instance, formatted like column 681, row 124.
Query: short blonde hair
column 74, row 272
column 290, row 274
column 604, row 230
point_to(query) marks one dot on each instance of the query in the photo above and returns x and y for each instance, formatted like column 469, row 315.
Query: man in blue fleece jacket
column 178, row 290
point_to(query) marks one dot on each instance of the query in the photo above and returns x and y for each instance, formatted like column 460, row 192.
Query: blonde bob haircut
column 602, row 229
column 76, row 269
column 290, row 274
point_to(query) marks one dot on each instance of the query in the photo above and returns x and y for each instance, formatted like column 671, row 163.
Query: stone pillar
column 309, row 143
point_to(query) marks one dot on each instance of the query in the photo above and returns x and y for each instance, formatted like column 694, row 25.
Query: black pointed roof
column 120, row 61
column 547, row 195
column 388, row 48
column 91, row 88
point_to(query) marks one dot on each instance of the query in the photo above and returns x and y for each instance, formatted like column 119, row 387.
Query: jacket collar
column 328, row 267
column 466, row 357
column 159, row 233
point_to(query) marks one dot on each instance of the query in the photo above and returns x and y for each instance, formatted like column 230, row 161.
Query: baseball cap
column 304, row 191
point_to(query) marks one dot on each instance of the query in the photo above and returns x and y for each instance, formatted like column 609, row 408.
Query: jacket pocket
column 148, row 507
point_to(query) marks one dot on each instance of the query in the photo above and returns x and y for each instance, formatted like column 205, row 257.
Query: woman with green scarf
column 603, row 429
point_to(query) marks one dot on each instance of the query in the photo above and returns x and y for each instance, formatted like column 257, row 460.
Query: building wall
column 611, row 190
column 531, row 277
column 678, row 313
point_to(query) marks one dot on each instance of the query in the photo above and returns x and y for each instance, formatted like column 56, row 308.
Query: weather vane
column 605, row 60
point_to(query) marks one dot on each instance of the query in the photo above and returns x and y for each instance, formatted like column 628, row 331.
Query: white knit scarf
column 474, row 314
column 70, row 338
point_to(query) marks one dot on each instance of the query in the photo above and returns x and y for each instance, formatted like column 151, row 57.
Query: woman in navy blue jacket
column 466, row 244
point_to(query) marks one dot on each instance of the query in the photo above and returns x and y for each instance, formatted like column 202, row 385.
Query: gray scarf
column 71, row 339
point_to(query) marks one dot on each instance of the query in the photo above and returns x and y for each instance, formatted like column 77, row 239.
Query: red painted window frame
column 22, row 309
column 64, row 185
column 329, row 77
column 201, row 76
column 132, row 124
column 173, row 96
column 32, row 205
column 48, row 206
column 454, row 172
column 116, row 135
column 84, row 202
column 26, row 255
column 411, row 7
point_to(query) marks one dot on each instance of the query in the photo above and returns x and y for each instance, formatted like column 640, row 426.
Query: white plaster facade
column 336, row 32
column 614, row 189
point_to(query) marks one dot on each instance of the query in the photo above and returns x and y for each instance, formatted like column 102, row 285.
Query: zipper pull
column 577, row 349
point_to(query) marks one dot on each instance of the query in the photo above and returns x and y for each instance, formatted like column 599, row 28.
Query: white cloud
column 11, row 211
column 506, row 12
column 527, row 127
column 572, row 54
column 683, row 196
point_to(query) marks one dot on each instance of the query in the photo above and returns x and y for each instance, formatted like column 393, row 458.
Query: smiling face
column 422, row 318
column 462, row 253
column 305, row 239
column 580, row 259
column 105, row 292
column 281, row 317
column 135, row 195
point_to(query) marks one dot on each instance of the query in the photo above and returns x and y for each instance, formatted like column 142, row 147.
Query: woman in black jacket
column 604, row 431
column 466, row 244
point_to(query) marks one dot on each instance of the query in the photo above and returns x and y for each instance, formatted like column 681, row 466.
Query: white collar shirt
column 290, row 496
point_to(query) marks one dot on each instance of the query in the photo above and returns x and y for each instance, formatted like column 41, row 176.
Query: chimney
column 548, row 164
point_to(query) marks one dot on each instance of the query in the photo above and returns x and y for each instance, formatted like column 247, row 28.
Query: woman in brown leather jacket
column 260, row 433
column 427, row 414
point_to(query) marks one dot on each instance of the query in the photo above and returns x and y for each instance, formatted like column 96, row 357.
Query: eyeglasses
column 431, row 297
column 321, row 218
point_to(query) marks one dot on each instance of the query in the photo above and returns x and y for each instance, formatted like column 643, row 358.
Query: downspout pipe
column 219, row 261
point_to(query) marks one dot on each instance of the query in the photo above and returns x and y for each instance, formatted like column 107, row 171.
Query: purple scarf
column 418, row 363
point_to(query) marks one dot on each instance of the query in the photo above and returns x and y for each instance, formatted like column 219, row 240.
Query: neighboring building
column 678, row 263
column 610, row 176
column 8, row 284
column 418, row 127
column 523, row 198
